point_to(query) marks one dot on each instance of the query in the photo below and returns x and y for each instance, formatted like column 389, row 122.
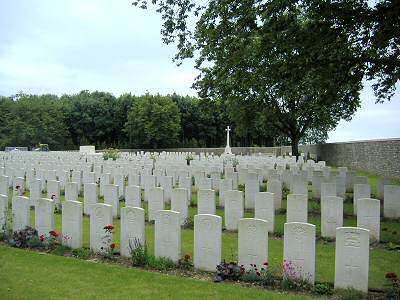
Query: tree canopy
column 299, row 62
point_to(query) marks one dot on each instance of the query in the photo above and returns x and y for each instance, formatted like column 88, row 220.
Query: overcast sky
column 67, row 46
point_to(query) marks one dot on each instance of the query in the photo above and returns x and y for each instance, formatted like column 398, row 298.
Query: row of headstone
column 352, row 244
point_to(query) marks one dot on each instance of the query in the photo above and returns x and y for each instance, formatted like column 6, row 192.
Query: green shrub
column 5, row 235
column 160, row 263
column 392, row 286
column 111, row 153
column 139, row 255
column 251, row 275
column 34, row 242
column 82, row 253
column 322, row 289
column 185, row 263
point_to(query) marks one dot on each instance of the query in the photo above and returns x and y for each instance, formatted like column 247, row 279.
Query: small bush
column 251, row 275
column 392, row 286
column 228, row 271
column 322, row 289
column 5, row 235
column 139, row 254
column 185, row 263
column 82, row 253
column 21, row 238
column 292, row 278
column 111, row 153
column 34, row 242
column 160, row 263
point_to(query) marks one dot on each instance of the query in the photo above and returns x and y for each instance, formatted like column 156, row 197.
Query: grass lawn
column 33, row 275
column 381, row 260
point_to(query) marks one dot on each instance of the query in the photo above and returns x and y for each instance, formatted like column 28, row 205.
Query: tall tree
column 153, row 122
column 302, row 71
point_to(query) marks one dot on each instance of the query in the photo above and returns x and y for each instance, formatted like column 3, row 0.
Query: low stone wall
column 380, row 157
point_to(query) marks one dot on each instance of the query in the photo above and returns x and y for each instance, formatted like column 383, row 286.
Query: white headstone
column 233, row 209
column 204, row 183
column 105, row 178
column 275, row 186
column 225, row 184
column 253, row 242
column 90, row 196
column 167, row 235
column 297, row 208
column 3, row 212
column 368, row 216
column 252, row 187
column 35, row 192
column 72, row 234
column 4, row 185
column 331, row 215
column 132, row 229
column 133, row 196
column 71, row 191
column 53, row 192
column 207, row 242
column 19, row 186
column 205, row 202
column 101, row 216
column 361, row 191
column 155, row 202
column 299, row 250
column 167, row 184
column 111, row 198
column 44, row 216
column 119, row 180
column 352, row 258
column 20, row 213
column 391, row 204
column 265, row 209
column 328, row 189
column 186, row 183
column 179, row 203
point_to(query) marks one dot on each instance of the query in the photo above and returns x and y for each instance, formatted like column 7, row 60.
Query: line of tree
column 128, row 121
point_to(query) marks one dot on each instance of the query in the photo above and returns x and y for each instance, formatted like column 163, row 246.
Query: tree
column 33, row 119
column 300, row 70
column 153, row 122
column 374, row 30
column 93, row 118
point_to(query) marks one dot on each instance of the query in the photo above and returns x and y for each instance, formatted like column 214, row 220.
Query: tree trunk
column 295, row 147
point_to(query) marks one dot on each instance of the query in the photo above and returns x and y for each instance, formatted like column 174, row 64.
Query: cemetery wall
column 381, row 157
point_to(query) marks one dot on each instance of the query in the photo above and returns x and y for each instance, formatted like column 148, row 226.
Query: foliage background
column 129, row 121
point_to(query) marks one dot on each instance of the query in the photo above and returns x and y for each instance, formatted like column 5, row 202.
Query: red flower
column 266, row 263
column 41, row 238
column 53, row 233
column 391, row 275
column 109, row 227
column 112, row 245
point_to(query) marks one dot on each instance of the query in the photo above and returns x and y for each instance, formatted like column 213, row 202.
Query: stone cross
column 227, row 148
